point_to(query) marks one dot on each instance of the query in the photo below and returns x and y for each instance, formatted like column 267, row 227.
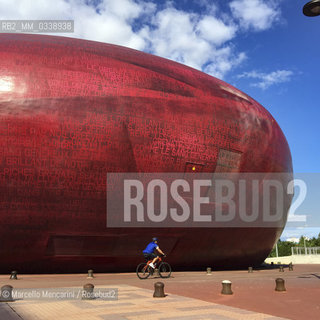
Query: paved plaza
column 189, row 295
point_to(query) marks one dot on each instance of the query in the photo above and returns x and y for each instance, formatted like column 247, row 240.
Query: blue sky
column 266, row 48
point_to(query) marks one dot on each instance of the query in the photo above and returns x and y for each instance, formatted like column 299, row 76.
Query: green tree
column 313, row 242
column 301, row 242
column 284, row 249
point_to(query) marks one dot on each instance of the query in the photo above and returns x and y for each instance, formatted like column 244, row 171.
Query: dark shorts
column 149, row 256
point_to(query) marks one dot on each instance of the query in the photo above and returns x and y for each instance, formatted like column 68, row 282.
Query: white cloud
column 215, row 31
column 202, row 39
column 192, row 39
column 173, row 36
column 223, row 61
column 108, row 21
column 124, row 10
column 265, row 80
column 256, row 14
column 195, row 39
column 37, row 9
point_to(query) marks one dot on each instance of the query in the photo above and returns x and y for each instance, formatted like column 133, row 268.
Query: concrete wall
column 296, row 259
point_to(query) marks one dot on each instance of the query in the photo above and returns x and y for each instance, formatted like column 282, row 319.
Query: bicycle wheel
column 164, row 270
column 143, row 271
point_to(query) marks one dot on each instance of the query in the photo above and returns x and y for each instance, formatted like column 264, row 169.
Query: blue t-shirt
column 150, row 248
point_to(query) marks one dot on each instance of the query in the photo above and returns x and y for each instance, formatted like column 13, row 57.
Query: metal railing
column 305, row 250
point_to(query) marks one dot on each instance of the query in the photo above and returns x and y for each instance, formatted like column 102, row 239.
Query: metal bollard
column 209, row 271
column 159, row 290
column 281, row 269
column 280, row 285
column 6, row 293
column 250, row 270
column 13, row 275
column 290, row 266
column 87, row 293
column 90, row 274
column 226, row 287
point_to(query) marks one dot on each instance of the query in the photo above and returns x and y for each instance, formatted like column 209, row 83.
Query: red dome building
column 72, row 111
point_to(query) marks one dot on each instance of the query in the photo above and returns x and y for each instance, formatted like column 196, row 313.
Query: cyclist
column 149, row 254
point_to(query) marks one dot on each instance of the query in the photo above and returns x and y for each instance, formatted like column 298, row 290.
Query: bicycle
column 144, row 270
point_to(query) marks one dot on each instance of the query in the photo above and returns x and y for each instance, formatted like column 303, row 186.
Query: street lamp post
column 312, row 8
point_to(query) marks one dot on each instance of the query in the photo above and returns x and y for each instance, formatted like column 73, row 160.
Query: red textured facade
column 73, row 110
